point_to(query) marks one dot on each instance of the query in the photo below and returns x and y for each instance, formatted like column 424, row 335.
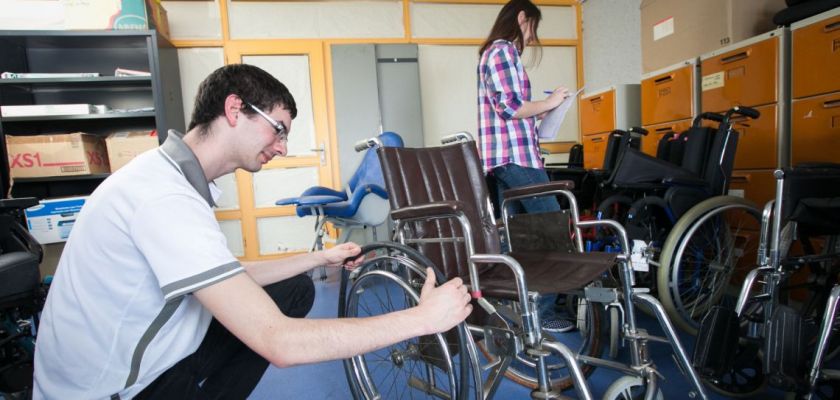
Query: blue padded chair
column 363, row 203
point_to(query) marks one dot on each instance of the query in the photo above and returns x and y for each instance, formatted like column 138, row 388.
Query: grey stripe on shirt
column 204, row 279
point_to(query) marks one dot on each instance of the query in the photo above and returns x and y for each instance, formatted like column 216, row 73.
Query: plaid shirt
column 503, row 85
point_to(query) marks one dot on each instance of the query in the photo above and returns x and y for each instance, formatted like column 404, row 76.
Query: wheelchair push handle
column 462, row 136
column 365, row 144
column 745, row 111
column 711, row 116
column 639, row 130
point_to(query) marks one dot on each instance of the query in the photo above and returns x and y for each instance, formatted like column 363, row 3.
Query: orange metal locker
column 816, row 129
column 669, row 94
column 614, row 107
column 655, row 133
column 758, row 186
column 594, row 149
column 815, row 44
column 745, row 73
column 597, row 113
column 757, row 144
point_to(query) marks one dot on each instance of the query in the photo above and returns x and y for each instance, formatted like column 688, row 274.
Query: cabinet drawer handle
column 735, row 57
column 741, row 178
column 662, row 131
column 831, row 27
column 664, row 79
column 596, row 99
column 831, row 104
column 597, row 139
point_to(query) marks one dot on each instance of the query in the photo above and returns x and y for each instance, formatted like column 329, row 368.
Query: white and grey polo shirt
column 120, row 310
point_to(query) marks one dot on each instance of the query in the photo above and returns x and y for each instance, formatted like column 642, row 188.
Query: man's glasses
column 279, row 128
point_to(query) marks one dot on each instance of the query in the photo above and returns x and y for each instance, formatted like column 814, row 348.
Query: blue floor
column 326, row 380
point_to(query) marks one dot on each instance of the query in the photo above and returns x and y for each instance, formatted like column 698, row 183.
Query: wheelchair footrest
column 784, row 349
column 717, row 342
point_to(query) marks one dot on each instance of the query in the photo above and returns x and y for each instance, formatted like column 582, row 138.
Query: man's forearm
column 271, row 271
column 332, row 339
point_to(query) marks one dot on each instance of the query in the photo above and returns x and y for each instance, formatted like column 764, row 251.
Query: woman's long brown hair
column 507, row 27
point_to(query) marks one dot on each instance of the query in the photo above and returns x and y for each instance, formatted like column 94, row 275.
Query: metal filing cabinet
column 755, row 73
column 603, row 111
column 670, row 99
column 815, row 72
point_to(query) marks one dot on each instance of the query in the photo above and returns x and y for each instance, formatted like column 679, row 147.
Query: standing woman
column 507, row 121
column 507, row 118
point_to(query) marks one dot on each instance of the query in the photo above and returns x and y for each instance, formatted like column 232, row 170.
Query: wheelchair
column 659, row 203
column 21, row 299
column 771, row 332
column 441, row 209
column 362, row 204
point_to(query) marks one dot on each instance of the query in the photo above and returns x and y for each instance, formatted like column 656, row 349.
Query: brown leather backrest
column 449, row 173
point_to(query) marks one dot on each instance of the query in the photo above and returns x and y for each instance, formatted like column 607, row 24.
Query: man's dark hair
column 250, row 83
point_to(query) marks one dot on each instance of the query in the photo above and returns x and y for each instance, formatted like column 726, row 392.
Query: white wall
column 612, row 50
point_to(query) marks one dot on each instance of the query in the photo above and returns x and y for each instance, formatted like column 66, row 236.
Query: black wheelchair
column 780, row 323
column 659, row 200
column 441, row 208
column 21, row 299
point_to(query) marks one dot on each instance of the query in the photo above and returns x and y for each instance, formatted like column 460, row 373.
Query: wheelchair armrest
column 17, row 204
column 538, row 189
column 430, row 210
column 375, row 189
column 684, row 181
column 324, row 191
column 310, row 201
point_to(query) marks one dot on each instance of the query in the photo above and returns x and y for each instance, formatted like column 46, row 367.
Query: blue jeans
column 511, row 176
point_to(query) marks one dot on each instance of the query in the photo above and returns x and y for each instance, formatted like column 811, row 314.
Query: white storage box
column 52, row 220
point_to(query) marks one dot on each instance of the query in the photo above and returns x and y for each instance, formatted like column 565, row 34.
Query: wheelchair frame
column 530, row 338
column 773, row 272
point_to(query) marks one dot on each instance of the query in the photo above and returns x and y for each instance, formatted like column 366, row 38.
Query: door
column 263, row 229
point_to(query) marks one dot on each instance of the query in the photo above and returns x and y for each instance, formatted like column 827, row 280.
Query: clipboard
column 550, row 125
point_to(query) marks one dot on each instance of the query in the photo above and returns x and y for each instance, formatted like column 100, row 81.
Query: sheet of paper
column 550, row 125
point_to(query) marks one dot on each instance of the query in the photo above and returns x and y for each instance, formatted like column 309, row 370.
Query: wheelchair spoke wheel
column 431, row 366
column 629, row 388
column 709, row 245
column 585, row 339
column 417, row 368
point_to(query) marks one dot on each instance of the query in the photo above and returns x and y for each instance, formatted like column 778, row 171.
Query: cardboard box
column 124, row 146
column 52, row 220
column 676, row 30
column 56, row 155
column 87, row 14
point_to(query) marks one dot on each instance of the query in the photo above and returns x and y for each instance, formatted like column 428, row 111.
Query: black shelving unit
column 79, row 52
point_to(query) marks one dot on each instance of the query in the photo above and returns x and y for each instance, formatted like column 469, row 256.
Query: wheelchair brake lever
column 486, row 305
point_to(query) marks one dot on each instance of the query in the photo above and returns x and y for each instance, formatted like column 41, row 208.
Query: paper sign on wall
column 663, row 28
column 712, row 81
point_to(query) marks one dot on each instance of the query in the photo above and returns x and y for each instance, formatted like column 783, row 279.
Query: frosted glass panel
column 193, row 19
column 558, row 23
column 449, row 90
column 430, row 20
column 293, row 71
column 283, row 234
column 233, row 232
column 194, row 65
column 229, row 200
column 558, row 67
column 316, row 19
column 271, row 185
